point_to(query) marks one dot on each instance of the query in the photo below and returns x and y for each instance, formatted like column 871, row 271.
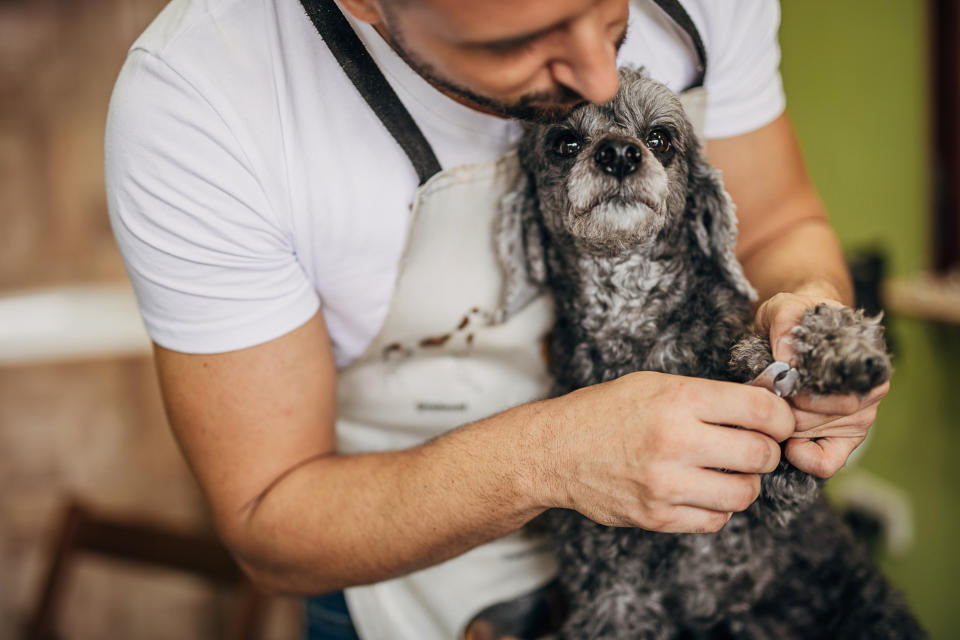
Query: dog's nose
column 618, row 157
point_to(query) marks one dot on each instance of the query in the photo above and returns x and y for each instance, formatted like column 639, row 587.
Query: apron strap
column 678, row 14
column 373, row 87
column 363, row 72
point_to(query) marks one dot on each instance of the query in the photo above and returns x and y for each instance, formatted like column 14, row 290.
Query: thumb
column 781, row 338
column 777, row 317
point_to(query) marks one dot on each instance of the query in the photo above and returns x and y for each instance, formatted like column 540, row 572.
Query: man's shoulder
column 180, row 18
column 223, row 40
column 711, row 18
column 244, row 59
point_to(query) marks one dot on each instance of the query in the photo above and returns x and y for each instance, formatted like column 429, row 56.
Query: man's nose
column 588, row 63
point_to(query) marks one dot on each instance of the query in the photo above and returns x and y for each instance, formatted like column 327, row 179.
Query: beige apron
column 440, row 361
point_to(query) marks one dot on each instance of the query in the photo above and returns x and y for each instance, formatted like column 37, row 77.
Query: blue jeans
column 329, row 619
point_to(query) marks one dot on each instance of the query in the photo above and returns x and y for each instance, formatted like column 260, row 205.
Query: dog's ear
column 518, row 239
column 713, row 221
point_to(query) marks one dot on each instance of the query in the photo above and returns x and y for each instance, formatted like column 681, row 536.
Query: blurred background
column 869, row 88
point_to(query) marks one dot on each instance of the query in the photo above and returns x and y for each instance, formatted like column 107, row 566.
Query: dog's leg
column 787, row 490
column 749, row 357
column 608, row 574
column 838, row 350
column 832, row 586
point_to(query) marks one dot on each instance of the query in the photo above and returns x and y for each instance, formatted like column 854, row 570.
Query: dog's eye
column 564, row 143
column 658, row 141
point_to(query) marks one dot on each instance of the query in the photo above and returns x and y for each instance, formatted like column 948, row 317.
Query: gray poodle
column 619, row 215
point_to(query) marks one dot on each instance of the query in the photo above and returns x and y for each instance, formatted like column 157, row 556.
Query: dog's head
column 610, row 178
column 615, row 174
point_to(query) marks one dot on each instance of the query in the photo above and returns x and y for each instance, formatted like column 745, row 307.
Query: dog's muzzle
column 618, row 157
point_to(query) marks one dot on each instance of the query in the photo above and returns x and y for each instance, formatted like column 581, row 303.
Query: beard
column 544, row 107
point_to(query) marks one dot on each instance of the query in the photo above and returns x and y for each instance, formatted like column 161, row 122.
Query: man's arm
column 785, row 242
column 257, row 426
column 791, row 255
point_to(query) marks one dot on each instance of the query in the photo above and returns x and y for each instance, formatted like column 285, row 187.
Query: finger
column 836, row 404
column 823, row 457
column 777, row 317
column 807, row 420
column 841, row 427
column 685, row 519
column 784, row 316
column 718, row 491
column 839, row 404
column 740, row 405
column 717, row 447
column 815, row 425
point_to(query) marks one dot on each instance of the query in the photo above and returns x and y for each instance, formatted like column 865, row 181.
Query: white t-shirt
column 249, row 185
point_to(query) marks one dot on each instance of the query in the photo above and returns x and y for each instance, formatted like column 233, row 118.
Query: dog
column 617, row 213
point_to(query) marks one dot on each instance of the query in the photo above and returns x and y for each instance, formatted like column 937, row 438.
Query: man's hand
column 778, row 315
column 646, row 450
column 786, row 244
column 828, row 428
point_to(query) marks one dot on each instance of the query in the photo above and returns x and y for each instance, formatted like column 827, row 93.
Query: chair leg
column 248, row 614
column 42, row 625
column 151, row 544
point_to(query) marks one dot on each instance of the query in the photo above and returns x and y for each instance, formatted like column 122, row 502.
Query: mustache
column 548, row 107
column 555, row 105
column 558, row 96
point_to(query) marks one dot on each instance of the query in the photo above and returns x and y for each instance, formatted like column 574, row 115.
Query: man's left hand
column 830, row 427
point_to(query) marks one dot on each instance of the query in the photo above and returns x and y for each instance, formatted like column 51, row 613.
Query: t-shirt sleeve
column 745, row 90
column 212, row 268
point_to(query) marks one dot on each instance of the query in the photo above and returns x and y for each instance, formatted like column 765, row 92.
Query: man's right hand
column 257, row 426
column 645, row 450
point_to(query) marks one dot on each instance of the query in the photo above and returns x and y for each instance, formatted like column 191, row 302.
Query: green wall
column 855, row 74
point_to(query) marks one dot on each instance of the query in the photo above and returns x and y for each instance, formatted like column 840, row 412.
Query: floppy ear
column 518, row 239
column 714, row 221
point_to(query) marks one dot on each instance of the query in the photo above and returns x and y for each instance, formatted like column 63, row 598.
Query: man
column 262, row 207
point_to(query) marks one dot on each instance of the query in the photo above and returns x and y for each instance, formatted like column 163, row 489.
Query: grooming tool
column 779, row 377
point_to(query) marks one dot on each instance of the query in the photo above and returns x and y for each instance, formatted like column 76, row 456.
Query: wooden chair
column 84, row 532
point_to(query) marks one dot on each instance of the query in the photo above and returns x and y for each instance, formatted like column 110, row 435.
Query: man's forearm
column 786, row 244
column 804, row 258
column 339, row 521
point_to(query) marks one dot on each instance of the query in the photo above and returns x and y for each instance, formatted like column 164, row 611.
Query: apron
column 441, row 360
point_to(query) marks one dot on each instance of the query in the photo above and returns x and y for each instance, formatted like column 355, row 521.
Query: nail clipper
column 779, row 377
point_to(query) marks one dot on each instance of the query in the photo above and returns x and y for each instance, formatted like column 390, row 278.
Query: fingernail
column 784, row 343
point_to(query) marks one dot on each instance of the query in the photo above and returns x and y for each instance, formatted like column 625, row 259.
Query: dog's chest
column 631, row 314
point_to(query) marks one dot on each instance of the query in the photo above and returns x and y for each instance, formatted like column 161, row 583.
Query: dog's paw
column 840, row 350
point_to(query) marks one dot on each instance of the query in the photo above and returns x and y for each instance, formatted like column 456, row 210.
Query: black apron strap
column 377, row 92
column 678, row 14
column 369, row 81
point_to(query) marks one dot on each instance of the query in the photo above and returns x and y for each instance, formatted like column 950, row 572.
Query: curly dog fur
column 619, row 215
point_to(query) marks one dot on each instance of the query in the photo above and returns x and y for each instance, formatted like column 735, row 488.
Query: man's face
column 531, row 59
